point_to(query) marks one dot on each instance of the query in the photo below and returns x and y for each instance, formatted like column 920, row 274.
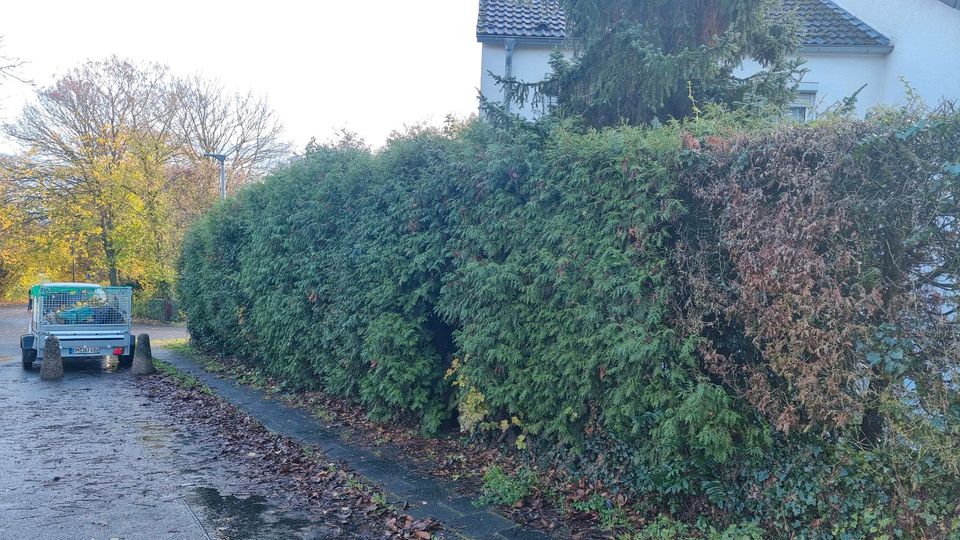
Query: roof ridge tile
column 826, row 23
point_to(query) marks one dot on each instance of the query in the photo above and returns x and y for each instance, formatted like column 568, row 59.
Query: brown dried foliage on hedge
column 833, row 252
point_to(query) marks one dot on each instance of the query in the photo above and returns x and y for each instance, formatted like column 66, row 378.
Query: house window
column 799, row 113
column 802, row 107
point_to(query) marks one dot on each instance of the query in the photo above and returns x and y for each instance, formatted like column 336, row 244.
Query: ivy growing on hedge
column 711, row 302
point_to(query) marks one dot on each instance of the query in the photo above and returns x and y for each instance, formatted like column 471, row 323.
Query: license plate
column 86, row 350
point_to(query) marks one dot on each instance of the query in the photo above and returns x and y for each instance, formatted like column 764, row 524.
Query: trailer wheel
column 125, row 360
column 29, row 357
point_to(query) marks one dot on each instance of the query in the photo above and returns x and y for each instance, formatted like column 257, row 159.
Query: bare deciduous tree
column 210, row 119
column 10, row 67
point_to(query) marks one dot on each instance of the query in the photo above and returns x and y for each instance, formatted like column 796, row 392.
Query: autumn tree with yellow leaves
column 111, row 171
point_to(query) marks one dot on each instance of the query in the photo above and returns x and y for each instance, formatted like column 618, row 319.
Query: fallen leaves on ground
column 310, row 479
column 454, row 459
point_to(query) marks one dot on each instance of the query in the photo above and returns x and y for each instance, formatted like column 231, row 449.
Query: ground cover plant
column 744, row 327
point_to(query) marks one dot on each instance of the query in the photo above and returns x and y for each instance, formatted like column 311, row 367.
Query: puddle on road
column 241, row 518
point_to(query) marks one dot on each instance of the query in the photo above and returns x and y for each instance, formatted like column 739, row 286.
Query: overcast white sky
column 370, row 66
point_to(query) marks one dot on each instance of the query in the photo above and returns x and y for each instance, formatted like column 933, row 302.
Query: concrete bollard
column 52, row 367
column 143, row 357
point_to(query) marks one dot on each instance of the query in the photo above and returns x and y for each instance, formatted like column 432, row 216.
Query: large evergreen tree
column 638, row 61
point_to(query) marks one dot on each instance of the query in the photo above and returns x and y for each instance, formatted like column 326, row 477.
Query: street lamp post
column 223, row 172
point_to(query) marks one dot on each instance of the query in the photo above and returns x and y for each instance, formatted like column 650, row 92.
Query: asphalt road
column 13, row 322
column 92, row 456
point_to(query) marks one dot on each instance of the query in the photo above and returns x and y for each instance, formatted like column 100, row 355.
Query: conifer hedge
column 737, row 321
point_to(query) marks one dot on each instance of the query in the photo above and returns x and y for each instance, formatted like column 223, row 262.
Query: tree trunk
column 114, row 275
column 873, row 423
column 109, row 251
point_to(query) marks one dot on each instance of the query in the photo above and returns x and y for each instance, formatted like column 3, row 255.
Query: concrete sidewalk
column 427, row 496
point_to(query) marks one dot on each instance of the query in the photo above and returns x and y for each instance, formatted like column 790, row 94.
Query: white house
column 846, row 44
column 518, row 37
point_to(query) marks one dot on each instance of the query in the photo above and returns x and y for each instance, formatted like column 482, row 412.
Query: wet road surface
column 13, row 323
column 92, row 456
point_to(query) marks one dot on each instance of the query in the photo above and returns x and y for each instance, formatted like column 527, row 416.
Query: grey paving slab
column 483, row 524
column 427, row 496
column 521, row 533
column 439, row 512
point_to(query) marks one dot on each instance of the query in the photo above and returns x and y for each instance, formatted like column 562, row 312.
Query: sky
column 368, row 66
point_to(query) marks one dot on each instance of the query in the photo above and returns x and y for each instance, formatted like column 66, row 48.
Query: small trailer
column 91, row 321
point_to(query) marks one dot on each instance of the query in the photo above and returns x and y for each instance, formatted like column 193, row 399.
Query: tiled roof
column 521, row 18
column 825, row 24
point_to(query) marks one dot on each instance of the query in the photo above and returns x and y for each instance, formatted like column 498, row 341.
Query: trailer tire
column 29, row 357
column 125, row 360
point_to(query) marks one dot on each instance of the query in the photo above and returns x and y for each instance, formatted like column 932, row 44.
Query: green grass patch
column 241, row 374
column 381, row 501
column 181, row 379
column 185, row 348
column 321, row 412
column 169, row 343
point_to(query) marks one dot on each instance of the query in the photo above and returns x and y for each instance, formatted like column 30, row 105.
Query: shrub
column 505, row 489
column 734, row 320
column 825, row 267
column 664, row 528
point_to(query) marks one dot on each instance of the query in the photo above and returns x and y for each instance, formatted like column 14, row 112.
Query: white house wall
column 835, row 77
column 492, row 59
column 530, row 64
column 926, row 40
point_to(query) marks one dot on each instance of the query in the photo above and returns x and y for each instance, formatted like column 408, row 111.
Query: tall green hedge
column 656, row 307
